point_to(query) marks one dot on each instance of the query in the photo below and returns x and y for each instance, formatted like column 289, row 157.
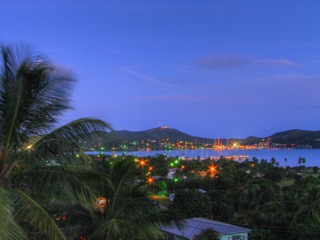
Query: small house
column 192, row 227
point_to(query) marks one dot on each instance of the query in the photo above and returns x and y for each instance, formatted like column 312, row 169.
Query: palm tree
column 129, row 213
column 310, row 208
column 283, row 214
column 34, row 154
column 241, row 189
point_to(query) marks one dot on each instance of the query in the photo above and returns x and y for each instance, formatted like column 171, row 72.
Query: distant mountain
column 296, row 133
column 250, row 140
column 157, row 134
column 297, row 137
column 292, row 138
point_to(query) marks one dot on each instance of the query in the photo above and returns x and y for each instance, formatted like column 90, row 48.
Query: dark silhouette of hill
column 297, row 137
column 250, row 140
column 157, row 134
column 291, row 138
column 296, row 133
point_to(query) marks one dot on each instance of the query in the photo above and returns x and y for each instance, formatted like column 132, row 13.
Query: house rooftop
column 192, row 227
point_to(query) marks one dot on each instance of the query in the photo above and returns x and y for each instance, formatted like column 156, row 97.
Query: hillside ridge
column 294, row 138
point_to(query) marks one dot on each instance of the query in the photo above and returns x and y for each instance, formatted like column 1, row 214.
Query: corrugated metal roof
column 192, row 227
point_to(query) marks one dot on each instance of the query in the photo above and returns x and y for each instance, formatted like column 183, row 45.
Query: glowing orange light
column 63, row 217
column 150, row 180
column 150, row 168
column 101, row 203
column 212, row 170
column 142, row 163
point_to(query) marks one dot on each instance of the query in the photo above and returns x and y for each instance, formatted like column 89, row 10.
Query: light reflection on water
column 312, row 156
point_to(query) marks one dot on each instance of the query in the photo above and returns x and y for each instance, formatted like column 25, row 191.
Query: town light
column 101, row 203
column 150, row 180
column 212, row 170
column 142, row 163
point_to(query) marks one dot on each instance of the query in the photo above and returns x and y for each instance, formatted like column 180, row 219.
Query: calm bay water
column 312, row 156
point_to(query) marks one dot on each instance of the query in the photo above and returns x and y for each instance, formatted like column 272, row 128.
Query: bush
column 207, row 234
column 192, row 203
column 273, row 175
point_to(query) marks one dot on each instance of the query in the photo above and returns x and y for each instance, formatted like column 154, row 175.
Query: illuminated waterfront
column 312, row 156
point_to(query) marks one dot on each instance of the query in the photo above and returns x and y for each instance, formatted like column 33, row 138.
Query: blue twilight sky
column 209, row 68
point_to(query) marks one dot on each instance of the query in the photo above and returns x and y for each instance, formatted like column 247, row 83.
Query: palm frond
column 62, row 143
column 80, row 129
column 9, row 228
column 28, row 211
column 129, row 208
column 56, row 183
column 32, row 95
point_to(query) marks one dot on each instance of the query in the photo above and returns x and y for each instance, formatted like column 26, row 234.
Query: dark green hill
column 250, row 140
column 157, row 134
column 297, row 138
column 137, row 140
column 296, row 133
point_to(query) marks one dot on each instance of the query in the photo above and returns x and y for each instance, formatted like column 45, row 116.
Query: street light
column 142, row 163
column 150, row 180
column 212, row 170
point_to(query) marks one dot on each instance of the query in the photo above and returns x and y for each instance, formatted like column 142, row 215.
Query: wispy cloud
column 231, row 62
column 146, row 78
column 221, row 62
column 268, row 62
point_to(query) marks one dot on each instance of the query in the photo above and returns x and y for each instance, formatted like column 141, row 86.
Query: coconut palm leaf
column 33, row 94
column 35, row 157
column 74, row 131
column 311, row 210
column 28, row 211
column 129, row 209
column 54, row 183
column 9, row 227
column 61, row 145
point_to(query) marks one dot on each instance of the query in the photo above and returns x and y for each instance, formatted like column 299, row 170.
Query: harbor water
column 285, row 157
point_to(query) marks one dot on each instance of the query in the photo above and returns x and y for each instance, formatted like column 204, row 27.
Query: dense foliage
column 129, row 214
column 192, row 203
column 275, row 202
